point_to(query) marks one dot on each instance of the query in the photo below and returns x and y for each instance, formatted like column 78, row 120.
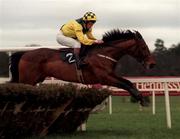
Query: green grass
column 128, row 122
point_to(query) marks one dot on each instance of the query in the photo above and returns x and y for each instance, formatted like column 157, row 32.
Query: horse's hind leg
column 32, row 79
column 28, row 75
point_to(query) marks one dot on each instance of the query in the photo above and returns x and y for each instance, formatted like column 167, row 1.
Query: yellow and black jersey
column 75, row 30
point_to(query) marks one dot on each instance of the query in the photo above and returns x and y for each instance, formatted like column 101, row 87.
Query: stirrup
column 77, row 65
column 82, row 64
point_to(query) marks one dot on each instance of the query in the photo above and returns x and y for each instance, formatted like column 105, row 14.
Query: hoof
column 144, row 103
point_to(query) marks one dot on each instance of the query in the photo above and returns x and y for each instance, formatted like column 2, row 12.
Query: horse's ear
column 138, row 34
column 134, row 31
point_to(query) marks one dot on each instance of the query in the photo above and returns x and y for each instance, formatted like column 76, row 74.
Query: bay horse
column 34, row 66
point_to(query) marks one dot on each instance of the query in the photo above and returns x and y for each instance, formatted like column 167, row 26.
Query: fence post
column 82, row 127
column 9, row 54
column 167, row 105
column 110, row 104
column 153, row 103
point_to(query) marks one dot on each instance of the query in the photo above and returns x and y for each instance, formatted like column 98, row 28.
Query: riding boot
column 82, row 63
column 79, row 61
column 82, row 55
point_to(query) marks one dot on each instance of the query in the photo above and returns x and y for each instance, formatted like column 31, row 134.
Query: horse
column 34, row 66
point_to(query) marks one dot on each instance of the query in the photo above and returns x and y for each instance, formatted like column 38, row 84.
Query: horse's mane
column 117, row 34
column 113, row 35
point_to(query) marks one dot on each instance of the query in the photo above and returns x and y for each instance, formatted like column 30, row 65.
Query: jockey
column 72, row 34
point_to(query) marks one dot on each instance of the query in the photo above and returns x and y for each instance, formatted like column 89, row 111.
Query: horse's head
column 132, row 43
column 141, row 52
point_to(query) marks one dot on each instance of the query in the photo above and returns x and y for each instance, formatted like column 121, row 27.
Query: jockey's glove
column 98, row 41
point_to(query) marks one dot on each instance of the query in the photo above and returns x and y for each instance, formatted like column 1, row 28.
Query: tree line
column 167, row 62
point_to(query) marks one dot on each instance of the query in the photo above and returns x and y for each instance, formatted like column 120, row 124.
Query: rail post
column 110, row 104
column 167, row 105
column 153, row 103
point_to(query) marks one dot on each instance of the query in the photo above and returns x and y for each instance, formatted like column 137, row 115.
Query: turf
column 128, row 122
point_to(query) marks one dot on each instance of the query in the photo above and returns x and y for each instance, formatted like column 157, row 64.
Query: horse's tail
column 14, row 64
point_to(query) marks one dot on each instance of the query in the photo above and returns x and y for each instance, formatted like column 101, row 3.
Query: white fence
column 16, row 49
column 143, row 84
column 154, row 85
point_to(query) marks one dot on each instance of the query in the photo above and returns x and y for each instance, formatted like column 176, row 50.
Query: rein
column 107, row 57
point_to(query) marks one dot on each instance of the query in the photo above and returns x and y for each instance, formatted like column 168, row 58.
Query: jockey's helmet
column 89, row 17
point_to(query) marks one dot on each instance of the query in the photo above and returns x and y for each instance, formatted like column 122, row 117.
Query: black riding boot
column 80, row 55
column 79, row 61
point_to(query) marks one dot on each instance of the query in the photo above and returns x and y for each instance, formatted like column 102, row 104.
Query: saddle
column 67, row 55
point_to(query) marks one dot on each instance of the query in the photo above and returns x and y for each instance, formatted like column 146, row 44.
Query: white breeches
column 67, row 41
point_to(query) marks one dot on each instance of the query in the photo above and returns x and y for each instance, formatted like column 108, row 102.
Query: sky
column 24, row 22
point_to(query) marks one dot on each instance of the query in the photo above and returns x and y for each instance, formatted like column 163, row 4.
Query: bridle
column 107, row 57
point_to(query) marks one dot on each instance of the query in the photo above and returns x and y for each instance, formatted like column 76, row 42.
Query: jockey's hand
column 98, row 41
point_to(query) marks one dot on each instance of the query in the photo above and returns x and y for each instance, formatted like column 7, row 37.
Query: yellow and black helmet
column 89, row 16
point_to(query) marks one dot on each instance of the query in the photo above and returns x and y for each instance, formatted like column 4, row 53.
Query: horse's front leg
column 112, row 80
column 131, row 88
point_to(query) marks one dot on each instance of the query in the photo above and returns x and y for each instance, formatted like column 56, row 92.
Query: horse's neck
column 119, row 48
